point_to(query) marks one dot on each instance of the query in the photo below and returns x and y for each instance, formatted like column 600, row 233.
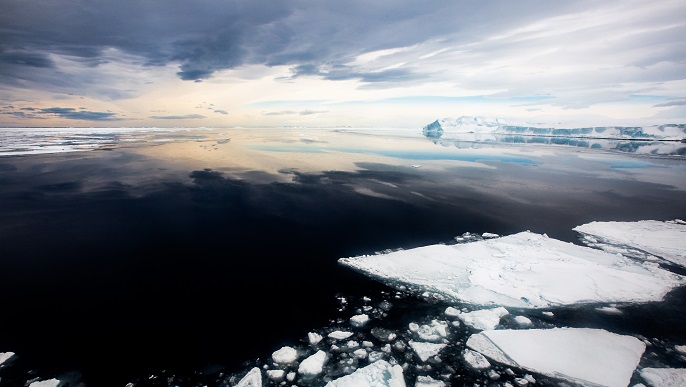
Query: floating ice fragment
column 609, row 310
column 452, row 312
column 428, row 381
column 664, row 377
column 523, row 321
column 276, row 375
column 666, row 240
column 475, row 359
column 378, row 374
column 680, row 348
column 426, row 350
column 489, row 235
column 520, row 270
column 435, row 331
column 4, row 356
column 45, row 383
column 314, row 338
column 252, row 379
column 578, row 355
column 359, row 320
column 340, row 335
column 285, row 355
column 484, row 319
column 313, row 365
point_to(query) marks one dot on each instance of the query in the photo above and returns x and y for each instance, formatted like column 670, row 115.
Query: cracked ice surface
column 525, row 270
column 579, row 355
column 666, row 240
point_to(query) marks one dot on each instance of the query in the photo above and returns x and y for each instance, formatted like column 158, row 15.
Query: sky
column 252, row 63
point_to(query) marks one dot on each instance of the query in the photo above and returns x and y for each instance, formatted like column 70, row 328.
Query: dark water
column 107, row 278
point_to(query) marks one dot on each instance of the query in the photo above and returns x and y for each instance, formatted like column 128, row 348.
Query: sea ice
column 46, row 383
column 579, row 355
column 428, row 381
column 378, row 374
column 475, row 359
column 426, row 350
column 4, row 356
column 285, row 355
column 313, row 365
column 340, row 335
column 252, row 379
column 484, row 319
column 666, row 240
column 525, row 270
column 664, row 377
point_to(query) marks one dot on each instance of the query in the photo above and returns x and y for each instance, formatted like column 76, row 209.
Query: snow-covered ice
column 664, row 377
column 340, row 335
column 666, row 240
column 313, row 365
column 475, row 359
column 4, row 356
column 484, row 319
column 428, row 381
column 285, row 355
column 252, row 379
column 525, row 270
column 579, row 355
column 426, row 350
column 46, row 383
column 378, row 374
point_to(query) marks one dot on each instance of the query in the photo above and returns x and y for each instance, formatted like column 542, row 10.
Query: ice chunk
column 680, row 348
column 46, row 383
column 485, row 319
column 436, row 331
column 378, row 374
column 428, row 381
column 579, row 355
column 340, row 335
column 4, row 356
column 314, row 338
column 285, row 355
column 520, row 270
column 489, row 235
column 666, row 240
column 523, row 321
column 359, row 320
column 475, row 359
column 426, row 350
column 664, row 377
column 313, row 365
column 276, row 375
column 252, row 379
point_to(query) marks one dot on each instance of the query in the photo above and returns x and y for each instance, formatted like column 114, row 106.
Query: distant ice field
column 190, row 256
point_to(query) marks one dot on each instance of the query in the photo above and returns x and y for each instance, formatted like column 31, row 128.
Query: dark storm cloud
column 187, row 116
column 206, row 36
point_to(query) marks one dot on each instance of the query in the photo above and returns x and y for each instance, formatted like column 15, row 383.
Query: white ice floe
column 285, row 355
column 4, row 356
column 340, row 335
column 484, row 319
column 664, row 377
column 426, row 350
column 526, row 270
column 666, row 240
column 579, row 355
column 435, row 331
column 378, row 374
column 46, row 383
column 252, row 379
column 680, row 348
column 276, row 375
column 314, row 338
column 313, row 365
column 523, row 321
column 428, row 381
column 475, row 359
column 359, row 320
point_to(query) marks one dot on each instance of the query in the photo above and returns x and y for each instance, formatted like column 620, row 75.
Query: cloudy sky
column 224, row 63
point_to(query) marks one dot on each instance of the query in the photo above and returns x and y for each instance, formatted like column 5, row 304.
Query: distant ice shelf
column 446, row 127
column 524, row 270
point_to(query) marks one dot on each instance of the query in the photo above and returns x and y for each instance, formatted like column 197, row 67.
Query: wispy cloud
column 183, row 117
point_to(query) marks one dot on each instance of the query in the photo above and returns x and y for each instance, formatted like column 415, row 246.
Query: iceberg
column 380, row 373
column 643, row 239
column 446, row 127
column 582, row 356
column 523, row 270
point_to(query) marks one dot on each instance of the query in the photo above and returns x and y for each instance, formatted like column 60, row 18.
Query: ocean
column 186, row 256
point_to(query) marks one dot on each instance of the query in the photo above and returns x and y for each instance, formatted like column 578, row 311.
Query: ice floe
column 579, row 355
column 525, row 270
column 252, row 379
column 484, row 319
column 664, row 377
column 665, row 240
column 380, row 373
